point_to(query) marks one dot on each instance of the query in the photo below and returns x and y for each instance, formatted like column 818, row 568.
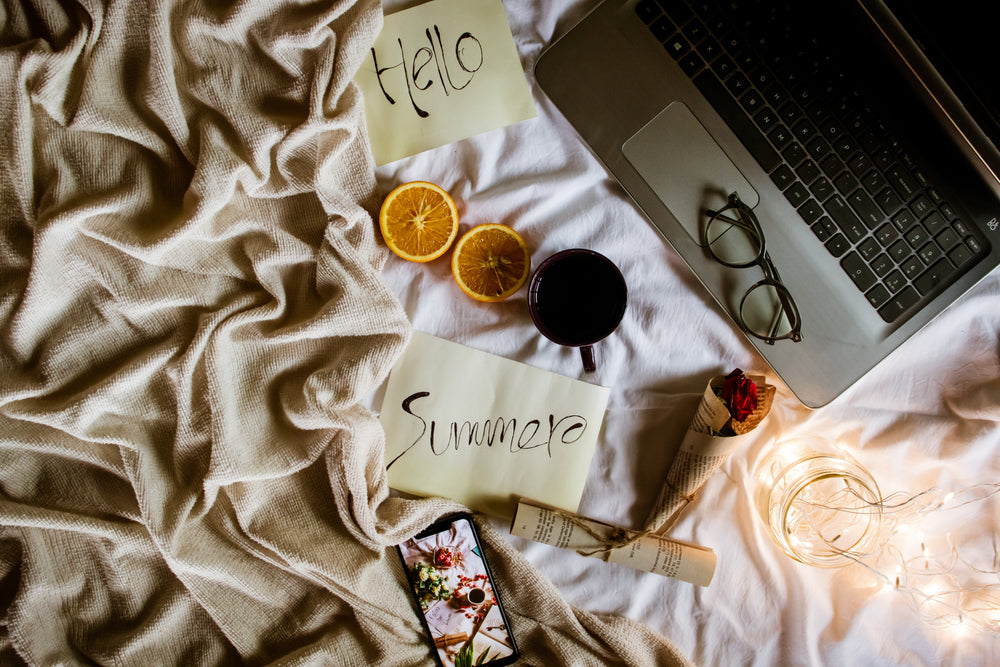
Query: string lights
column 823, row 508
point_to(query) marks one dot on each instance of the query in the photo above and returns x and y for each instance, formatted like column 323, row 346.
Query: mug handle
column 587, row 354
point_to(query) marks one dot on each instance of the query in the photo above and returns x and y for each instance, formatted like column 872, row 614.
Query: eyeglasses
column 735, row 239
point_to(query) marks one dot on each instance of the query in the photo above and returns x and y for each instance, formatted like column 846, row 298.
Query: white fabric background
column 927, row 415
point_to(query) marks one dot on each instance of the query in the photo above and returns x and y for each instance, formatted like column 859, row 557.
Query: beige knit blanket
column 191, row 315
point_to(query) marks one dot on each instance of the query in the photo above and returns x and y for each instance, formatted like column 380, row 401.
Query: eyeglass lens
column 734, row 239
column 764, row 311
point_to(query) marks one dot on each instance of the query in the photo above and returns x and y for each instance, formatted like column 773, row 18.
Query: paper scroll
column 635, row 549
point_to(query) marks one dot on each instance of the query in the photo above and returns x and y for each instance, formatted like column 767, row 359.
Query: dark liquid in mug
column 580, row 299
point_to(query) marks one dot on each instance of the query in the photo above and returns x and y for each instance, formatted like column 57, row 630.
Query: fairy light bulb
column 824, row 509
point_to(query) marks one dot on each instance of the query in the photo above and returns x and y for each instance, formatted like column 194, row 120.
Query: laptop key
column 888, row 201
column 647, row 10
column 691, row 63
column 794, row 154
column 915, row 236
column 797, row 194
column 846, row 183
column 959, row 255
column 904, row 220
column 895, row 281
column 922, row 206
column 811, row 211
column 695, row 31
column 662, row 28
column 866, row 209
column 870, row 143
column 934, row 223
column 877, row 296
column 677, row 10
column 822, row 189
column 869, row 248
column 845, row 146
column 832, row 167
column 738, row 84
column 936, row 275
column 819, row 148
column 882, row 265
column 824, row 228
column 837, row 245
column 930, row 253
column 752, row 102
column 858, row 271
column 780, row 137
column 886, row 235
column 738, row 121
column 677, row 46
column 761, row 77
column 845, row 218
column 912, row 267
column 947, row 239
column 899, row 250
column 709, row 48
column 903, row 182
column 765, row 119
column 804, row 131
column 809, row 172
column 790, row 113
column 783, row 177
column 723, row 66
column 899, row 304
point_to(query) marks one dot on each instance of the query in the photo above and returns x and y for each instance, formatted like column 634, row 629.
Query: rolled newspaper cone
column 635, row 549
column 703, row 450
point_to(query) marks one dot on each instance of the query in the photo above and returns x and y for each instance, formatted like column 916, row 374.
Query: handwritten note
column 481, row 429
column 440, row 72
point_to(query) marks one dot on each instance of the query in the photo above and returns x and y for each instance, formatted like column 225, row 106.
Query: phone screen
column 447, row 569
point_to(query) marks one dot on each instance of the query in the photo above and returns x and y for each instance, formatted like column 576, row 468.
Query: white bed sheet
column 926, row 416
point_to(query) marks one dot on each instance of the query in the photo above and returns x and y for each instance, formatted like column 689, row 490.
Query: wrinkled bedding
column 196, row 315
column 928, row 416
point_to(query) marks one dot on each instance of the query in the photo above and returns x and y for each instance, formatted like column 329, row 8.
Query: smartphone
column 459, row 604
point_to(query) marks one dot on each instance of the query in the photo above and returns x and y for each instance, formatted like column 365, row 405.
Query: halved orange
column 490, row 262
column 419, row 221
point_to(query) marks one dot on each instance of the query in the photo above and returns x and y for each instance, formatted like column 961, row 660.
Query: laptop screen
column 961, row 43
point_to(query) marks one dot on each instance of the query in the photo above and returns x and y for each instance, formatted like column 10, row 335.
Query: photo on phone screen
column 461, row 609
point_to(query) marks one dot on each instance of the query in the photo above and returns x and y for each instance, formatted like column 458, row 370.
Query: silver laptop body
column 637, row 102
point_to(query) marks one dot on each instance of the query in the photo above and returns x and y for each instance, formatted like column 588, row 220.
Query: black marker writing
column 469, row 57
column 406, row 408
column 506, row 432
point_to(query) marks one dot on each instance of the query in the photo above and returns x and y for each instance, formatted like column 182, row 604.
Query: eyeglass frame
column 745, row 217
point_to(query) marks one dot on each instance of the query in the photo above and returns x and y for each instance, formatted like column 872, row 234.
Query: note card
column 483, row 430
column 440, row 72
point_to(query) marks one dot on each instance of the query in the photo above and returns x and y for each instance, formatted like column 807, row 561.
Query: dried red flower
column 739, row 394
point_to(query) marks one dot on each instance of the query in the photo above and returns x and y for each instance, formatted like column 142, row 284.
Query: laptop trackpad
column 685, row 167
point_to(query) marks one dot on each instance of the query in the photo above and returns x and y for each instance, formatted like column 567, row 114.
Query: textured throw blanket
column 191, row 313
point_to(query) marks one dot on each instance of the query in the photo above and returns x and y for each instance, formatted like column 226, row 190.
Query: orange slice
column 490, row 262
column 419, row 221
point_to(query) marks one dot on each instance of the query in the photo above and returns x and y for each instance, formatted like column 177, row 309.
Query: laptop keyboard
column 838, row 164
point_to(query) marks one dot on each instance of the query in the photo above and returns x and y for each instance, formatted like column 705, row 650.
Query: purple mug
column 576, row 298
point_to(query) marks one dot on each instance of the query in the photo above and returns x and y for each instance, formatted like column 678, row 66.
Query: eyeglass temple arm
column 733, row 221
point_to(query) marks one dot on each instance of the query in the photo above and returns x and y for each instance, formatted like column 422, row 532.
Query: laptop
column 862, row 135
